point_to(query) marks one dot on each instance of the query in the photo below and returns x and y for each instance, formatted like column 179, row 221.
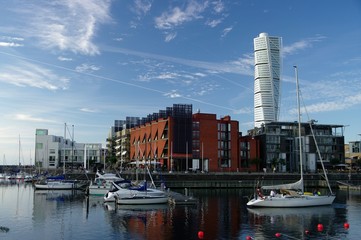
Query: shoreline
column 231, row 179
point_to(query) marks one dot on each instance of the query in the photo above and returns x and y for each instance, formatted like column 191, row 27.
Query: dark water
column 220, row 214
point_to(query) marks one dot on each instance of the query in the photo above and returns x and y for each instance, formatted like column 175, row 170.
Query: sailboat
column 287, row 196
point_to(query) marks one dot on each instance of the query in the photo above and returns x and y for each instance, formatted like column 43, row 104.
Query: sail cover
column 296, row 185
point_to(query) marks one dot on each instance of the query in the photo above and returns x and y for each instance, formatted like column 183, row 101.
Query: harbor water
column 26, row 213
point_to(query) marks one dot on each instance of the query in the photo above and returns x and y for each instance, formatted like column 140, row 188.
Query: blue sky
column 89, row 62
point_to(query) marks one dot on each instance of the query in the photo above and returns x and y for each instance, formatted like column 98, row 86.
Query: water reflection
column 296, row 222
column 220, row 214
column 58, row 195
column 139, row 222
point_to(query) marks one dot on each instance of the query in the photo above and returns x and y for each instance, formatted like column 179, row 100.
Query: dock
column 348, row 186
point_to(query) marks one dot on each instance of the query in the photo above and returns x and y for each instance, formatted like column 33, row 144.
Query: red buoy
column 200, row 234
column 307, row 232
column 278, row 235
column 320, row 227
column 248, row 238
column 346, row 225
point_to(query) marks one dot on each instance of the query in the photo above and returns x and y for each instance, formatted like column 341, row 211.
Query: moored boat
column 123, row 192
column 102, row 183
column 286, row 196
column 56, row 183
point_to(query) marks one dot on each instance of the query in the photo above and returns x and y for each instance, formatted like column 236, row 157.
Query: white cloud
column 300, row 45
column 67, row 25
column 61, row 58
column 11, row 39
column 245, row 110
column 331, row 106
column 173, row 94
column 218, row 6
column 89, row 110
column 10, row 44
column 169, row 37
column 213, row 23
column 226, row 31
column 29, row 118
column 321, row 96
column 142, row 7
column 198, row 74
column 27, row 74
column 86, row 68
column 167, row 76
column 177, row 16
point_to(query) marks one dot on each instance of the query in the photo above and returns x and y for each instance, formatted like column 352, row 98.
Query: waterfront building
column 353, row 153
column 215, row 143
column 118, row 140
column 52, row 151
column 249, row 153
column 122, row 146
column 178, row 140
column 164, row 138
column 267, row 78
column 278, row 146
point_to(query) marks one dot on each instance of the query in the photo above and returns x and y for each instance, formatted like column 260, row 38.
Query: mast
column 299, row 125
column 186, row 157
column 64, row 147
column 19, row 151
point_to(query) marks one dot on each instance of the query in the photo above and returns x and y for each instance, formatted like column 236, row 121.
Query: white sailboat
column 288, row 197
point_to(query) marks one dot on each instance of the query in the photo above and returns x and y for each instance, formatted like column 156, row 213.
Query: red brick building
column 250, row 153
column 182, row 141
column 166, row 140
column 215, row 143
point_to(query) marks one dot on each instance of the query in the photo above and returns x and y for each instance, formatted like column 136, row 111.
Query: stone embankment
column 232, row 180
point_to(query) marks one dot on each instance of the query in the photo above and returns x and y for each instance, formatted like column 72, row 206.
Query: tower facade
column 267, row 77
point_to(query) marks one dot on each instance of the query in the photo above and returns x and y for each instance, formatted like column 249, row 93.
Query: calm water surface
column 220, row 214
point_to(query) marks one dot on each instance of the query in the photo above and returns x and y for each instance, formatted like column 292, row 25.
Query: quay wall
column 233, row 180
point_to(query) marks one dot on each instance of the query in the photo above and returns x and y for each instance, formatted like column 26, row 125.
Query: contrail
column 114, row 80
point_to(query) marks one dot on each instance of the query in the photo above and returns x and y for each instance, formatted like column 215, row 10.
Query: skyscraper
column 267, row 77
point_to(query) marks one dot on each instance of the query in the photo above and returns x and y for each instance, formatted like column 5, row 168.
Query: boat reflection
column 286, row 212
column 58, row 195
column 139, row 221
column 134, row 208
column 296, row 222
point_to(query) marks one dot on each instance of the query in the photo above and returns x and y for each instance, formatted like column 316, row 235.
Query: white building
column 50, row 151
column 267, row 77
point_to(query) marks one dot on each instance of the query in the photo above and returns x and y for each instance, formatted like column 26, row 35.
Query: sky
column 87, row 63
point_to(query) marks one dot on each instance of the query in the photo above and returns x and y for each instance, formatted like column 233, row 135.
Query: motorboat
column 102, row 183
column 124, row 192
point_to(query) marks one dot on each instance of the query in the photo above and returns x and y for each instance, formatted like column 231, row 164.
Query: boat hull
column 56, row 186
column 136, row 197
column 98, row 191
column 290, row 202
column 142, row 200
